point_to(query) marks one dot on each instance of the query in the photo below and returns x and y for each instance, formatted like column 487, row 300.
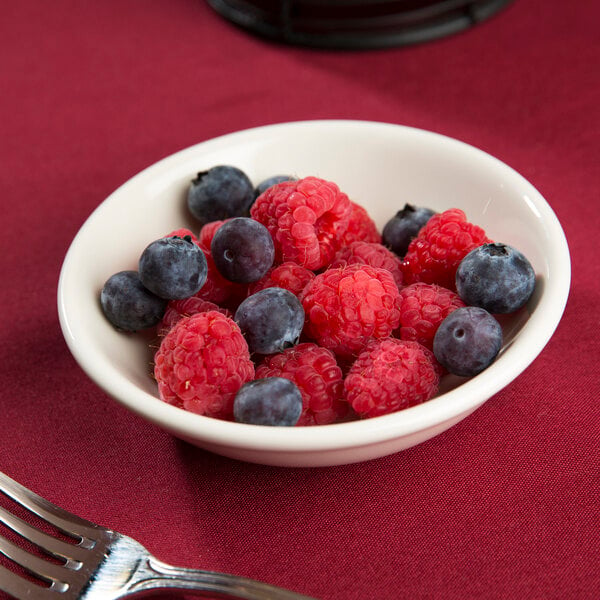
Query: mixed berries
column 289, row 308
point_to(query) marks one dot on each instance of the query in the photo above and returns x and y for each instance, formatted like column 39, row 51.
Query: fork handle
column 158, row 576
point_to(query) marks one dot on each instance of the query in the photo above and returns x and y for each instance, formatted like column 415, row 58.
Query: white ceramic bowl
column 380, row 166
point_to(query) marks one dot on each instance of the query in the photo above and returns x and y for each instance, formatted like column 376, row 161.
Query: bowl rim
column 465, row 398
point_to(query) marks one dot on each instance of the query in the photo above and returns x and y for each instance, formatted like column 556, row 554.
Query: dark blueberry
column 173, row 267
column 243, row 250
column 467, row 341
column 269, row 401
column 264, row 185
column 271, row 320
column 220, row 193
column 496, row 277
column 403, row 227
column 128, row 305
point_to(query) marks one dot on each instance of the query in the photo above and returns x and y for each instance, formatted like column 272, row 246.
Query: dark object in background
column 356, row 24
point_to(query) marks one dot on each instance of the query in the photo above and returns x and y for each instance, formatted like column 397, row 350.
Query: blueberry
column 243, row 250
column 128, row 305
column 220, row 193
column 269, row 401
column 496, row 277
column 271, row 320
column 403, row 227
column 467, row 341
column 173, row 267
column 264, row 185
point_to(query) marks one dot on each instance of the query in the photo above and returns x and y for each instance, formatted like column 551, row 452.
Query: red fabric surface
column 503, row 505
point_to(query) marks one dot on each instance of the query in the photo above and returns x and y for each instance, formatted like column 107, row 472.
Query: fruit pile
column 290, row 308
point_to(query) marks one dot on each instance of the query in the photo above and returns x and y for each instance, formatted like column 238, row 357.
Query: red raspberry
column 370, row 253
column 434, row 255
column 349, row 306
column 202, row 363
column 306, row 219
column 289, row 276
column 423, row 306
column 361, row 227
column 177, row 309
column 182, row 232
column 217, row 289
column 318, row 377
column 390, row 375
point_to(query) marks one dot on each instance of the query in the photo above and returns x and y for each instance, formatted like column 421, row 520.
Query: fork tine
column 17, row 587
column 60, row 518
column 53, row 573
column 72, row 553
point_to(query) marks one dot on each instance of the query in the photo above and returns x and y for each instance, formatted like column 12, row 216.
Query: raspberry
column 361, row 227
column 216, row 288
column 182, row 232
column 434, row 255
column 289, row 276
column 318, row 377
column 202, row 363
column 369, row 253
column 349, row 306
column 306, row 219
column 177, row 309
column 423, row 306
column 390, row 375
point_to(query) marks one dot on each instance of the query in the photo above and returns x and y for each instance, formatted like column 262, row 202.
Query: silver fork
column 102, row 564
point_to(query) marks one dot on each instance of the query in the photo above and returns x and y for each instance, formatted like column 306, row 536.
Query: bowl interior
column 381, row 167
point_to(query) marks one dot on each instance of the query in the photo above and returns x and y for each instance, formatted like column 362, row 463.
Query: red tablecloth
column 505, row 504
